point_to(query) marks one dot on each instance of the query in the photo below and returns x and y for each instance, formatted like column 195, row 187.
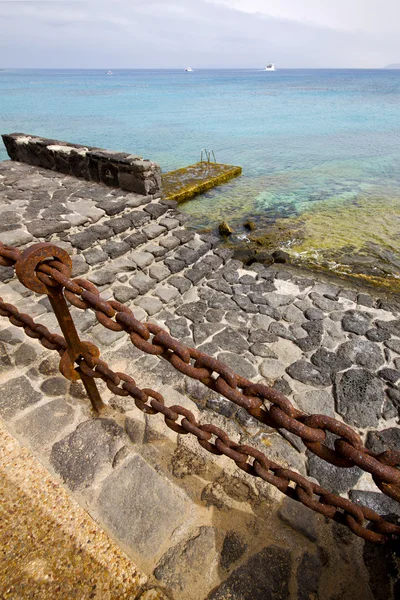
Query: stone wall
column 115, row 169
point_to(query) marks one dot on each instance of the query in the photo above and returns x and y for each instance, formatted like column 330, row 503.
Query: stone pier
column 196, row 524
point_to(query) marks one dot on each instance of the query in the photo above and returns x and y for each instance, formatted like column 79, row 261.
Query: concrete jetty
column 194, row 523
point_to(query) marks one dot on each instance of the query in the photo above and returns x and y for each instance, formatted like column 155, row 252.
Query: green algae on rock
column 185, row 183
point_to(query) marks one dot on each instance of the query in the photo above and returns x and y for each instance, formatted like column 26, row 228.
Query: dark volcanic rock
column 306, row 373
column 264, row 576
column 359, row 397
column 308, row 576
column 82, row 454
column 388, row 439
column 231, row 340
column 43, row 227
column 356, row 322
column 376, row 501
column 335, row 479
column 361, row 352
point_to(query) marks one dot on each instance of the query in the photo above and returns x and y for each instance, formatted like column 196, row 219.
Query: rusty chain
column 45, row 266
column 216, row 441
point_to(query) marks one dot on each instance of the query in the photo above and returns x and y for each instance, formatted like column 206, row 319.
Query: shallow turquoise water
column 301, row 136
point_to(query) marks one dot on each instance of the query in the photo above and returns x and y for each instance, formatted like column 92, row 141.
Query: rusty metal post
column 26, row 271
column 75, row 346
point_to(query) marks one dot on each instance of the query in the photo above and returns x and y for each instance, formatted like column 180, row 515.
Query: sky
column 200, row 33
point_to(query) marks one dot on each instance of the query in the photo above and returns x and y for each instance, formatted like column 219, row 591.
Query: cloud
column 172, row 33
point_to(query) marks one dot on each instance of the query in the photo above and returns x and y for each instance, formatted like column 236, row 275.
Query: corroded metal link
column 349, row 451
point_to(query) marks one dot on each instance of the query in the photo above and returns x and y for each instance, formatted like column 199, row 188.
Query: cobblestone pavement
column 202, row 528
column 50, row 547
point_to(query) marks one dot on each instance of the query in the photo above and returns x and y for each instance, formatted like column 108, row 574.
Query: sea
column 319, row 149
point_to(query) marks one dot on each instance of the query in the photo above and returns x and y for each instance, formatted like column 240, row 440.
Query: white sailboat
column 189, row 69
column 270, row 67
column 109, row 73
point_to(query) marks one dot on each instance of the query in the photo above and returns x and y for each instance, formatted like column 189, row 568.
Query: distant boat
column 189, row 69
column 270, row 67
column 109, row 73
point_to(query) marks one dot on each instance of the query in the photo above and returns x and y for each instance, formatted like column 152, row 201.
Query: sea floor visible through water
column 319, row 149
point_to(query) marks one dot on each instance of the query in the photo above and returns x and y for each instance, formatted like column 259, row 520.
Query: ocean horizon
column 319, row 148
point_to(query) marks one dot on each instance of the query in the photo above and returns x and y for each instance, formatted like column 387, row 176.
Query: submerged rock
column 225, row 229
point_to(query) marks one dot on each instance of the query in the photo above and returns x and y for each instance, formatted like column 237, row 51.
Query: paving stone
column 378, row 335
column 202, row 331
column 42, row 228
column 83, row 240
column 155, row 249
column 102, row 232
column 387, row 439
column 120, row 224
column 12, row 335
column 123, row 293
column 18, row 237
column 142, row 259
column 222, row 406
column 83, row 454
column 159, row 272
column 178, row 328
column 76, row 220
column 111, row 206
column 262, row 350
column 393, row 327
column 265, row 575
column 272, row 368
column 314, row 314
column 197, row 273
column 299, row 517
column 231, row 340
column 6, row 273
column 182, row 284
column 149, row 304
column 169, row 242
column 220, row 300
column 175, row 266
column 155, row 210
column 135, row 239
column 169, row 223
column 136, row 494
column 305, row 372
column 152, row 231
column 95, row 256
column 365, row 300
column 275, row 299
column 245, row 303
column 335, row 479
column 194, row 311
column 238, row 364
column 356, row 322
column 142, row 283
column 101, row 277
column 44, row 424
column 292, row 314
column 318, row 402
column 359, row 397
column 166, row 293
column 376, row 501
column 214, row 315
column 393, row 345
column 281, row 331
column 184, row 235
column 55, row 386
column 139, row 218
column 16, row 395
column 262, row 336
column 233, row 549
column 323, row 303
column 104, row 336
column 179, row 569
column 390, row 375
column 115, row 249
column 25, row 355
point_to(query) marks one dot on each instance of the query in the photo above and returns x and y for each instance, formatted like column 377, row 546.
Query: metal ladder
column 208, row 154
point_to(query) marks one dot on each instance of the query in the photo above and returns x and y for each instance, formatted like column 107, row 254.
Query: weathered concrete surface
column 160, row 495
